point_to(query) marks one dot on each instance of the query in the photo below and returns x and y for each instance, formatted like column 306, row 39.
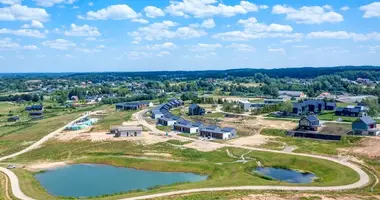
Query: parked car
column 11, row 167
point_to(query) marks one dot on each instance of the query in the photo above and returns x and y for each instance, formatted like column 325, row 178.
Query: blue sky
column 150, row 35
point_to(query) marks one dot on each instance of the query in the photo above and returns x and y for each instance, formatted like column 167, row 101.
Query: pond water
column 286, row 175
column 85, row 180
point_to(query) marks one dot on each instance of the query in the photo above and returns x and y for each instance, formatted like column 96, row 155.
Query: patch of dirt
column 45, row 166
column 204, row 146
column 254, row 140
column 368, row 147
column 167, row 155
column 302, row 196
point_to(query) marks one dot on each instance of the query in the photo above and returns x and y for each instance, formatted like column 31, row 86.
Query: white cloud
column 166, row 45
column 10, row 2
column 7, row 43
column 23, row 13
column 88, row 51
column 241, row 36
column 50, row 3
column 153, row 12
column 60, row 44
column 206, row 47
column 135, row 55
column 251, row 25
column 309, row 14
column 300, row 46
column 277, row 50
column 371, row 10
column 90, row 3
column 161, row 30
column 33, row 24
column 343, row 35
column 208, row 8
column 115, row 12
column 163, row 53
column 241, row 47
column 345, row 8
column 83, row 31
column 263, row 7
column 23, row 33
column 30, row 47
column 208, row 23
column 141, row 21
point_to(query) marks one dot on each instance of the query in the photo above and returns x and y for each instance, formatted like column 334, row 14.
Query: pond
column 286, row 175
column 85, row 180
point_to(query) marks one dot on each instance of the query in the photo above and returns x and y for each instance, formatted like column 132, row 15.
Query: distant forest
column 350, row 72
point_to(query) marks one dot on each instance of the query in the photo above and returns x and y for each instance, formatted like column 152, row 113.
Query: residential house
column 34, row 108
column 13, row 119
column 365, row 126
column 185, row 127
column 314, row 105
column 310, row 122
column 292, row 94
column 195, row 109
column 168, row 121
column 274, row 101
column 74, row 98
column 300, row 108
column 218, row 133
column 352, row 111
column 133, row 105
column 330, row 106
column 126, row 131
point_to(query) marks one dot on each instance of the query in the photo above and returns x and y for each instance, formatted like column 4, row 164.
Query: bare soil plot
column 368, row 147
column 204, row 146
column 254, row 140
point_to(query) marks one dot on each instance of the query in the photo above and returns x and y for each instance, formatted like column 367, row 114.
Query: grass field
column 214, row 115
column 164, row 128
column 305, row 145
column 17, row 136
column 217, row 164
column 113, row 118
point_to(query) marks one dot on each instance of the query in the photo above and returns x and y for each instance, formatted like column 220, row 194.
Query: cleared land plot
column 221, row 168
column 368, row 147
column 336, row 129
column 305, row 145
column 4, row 187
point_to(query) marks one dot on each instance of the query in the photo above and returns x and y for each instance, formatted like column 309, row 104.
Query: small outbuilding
column 126, row 131
column 365, row 126
column 310, row 122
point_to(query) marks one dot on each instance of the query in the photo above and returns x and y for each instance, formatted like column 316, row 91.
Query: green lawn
column 330, row 116
column 214, row 115
column 164, row 128
column 306, row 145
column 217, row 164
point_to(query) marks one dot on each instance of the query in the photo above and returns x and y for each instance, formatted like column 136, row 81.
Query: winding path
column 363, row 181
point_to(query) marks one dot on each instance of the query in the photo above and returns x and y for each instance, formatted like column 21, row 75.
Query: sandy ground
column 45, row 166
column 203, row 146
column 369, row 147
column 303, row 196
column 254, row 140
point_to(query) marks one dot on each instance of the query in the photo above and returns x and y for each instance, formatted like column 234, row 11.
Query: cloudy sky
column 147, row 35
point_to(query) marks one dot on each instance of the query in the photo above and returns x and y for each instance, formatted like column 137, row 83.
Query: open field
column 112, row 118
column 20, row 135
column 305, row 145
column 221, row 168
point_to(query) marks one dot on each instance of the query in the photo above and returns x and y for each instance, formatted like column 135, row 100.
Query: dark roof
column 312, row 118
column 330, row 104
column 184, row 122
column 228, row 129
column 193, row 106
column 212, row 127
column 198, row 124
column 367, row 120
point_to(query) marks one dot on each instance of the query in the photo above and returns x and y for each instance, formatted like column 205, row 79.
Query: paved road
column 364, row 178
column 12, row 177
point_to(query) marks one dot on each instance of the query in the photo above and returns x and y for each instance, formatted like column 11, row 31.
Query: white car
column 11, row 167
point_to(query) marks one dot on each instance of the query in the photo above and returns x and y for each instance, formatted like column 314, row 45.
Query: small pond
column 85, row 180
column 286, row 175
